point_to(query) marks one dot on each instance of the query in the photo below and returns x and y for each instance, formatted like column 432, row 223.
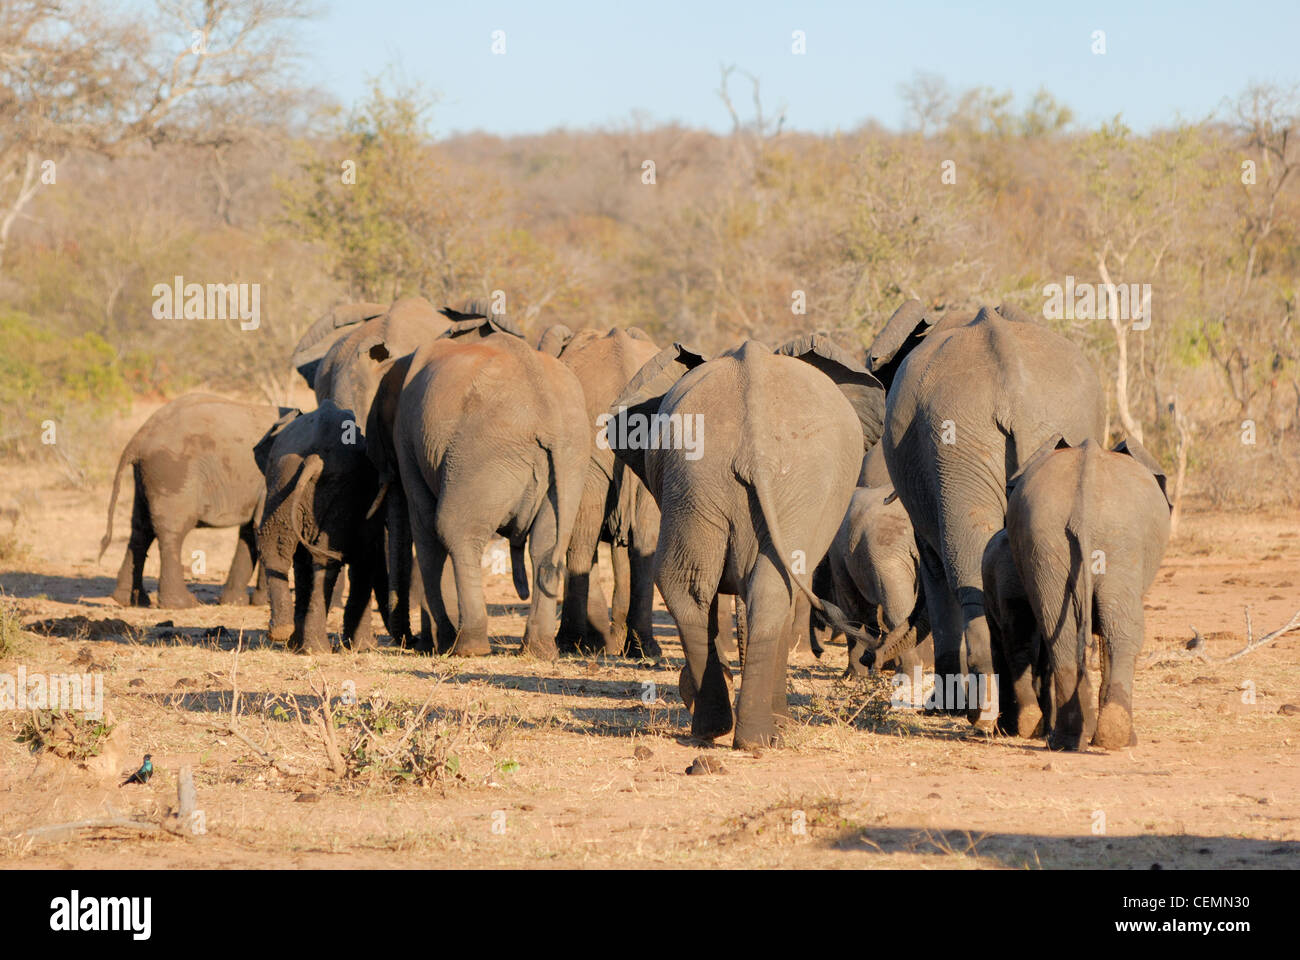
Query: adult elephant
column 336, row 323
column 615, row 505
column 1087, row 529
column 349, row 372
column 193, row 466
column 318, row 486
column 752, row 458
column 490, row 437
column 970, row 401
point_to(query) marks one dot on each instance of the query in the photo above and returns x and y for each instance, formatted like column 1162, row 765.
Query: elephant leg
column 585, row 620
column 1019, row 646
column 709, row 698
column 302, row 582
column 235, row 590
column 801, row 631
column 435, row 567
column 641, row 589
column 1075, row 702
column 726, row 641
column 323, row 578
column 945, row 620
column 1121, row 631
column 130, row 591
column 471, row 607
column 259, row 589
column 770, row 610
column 172, row 592
column 621, row 601
column 600, row 628
column 358, row 632
column 540, row 630
column 742, row 631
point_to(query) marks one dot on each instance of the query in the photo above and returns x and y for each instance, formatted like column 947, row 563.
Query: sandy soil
column 581, row 762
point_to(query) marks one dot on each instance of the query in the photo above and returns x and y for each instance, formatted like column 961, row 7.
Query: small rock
column 1048, row 766
column 933, row 796
column 1289, row 710
column 307, row 798
column 137, row 682
column 642, row 752
column 1156, row 866
column 703, row 764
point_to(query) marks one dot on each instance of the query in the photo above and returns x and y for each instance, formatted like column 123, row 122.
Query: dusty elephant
column 1087, row 528
column 490, row 437
column 615, row 505
column 874, row 566
column 318, row 486
column 970, row 401
column 193, row 466
column 745, row 504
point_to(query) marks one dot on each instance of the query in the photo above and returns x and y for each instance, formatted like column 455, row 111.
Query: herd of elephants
column 951, row 490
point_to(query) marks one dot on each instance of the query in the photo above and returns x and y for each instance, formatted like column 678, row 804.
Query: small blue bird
column 143, row 774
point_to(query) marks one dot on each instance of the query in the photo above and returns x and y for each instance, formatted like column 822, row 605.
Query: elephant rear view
column 319, row 484
column 615, row 505
column 490, row 437
column 1087, row 529
column 968, row 405
column 752, row 457
column 193, row 466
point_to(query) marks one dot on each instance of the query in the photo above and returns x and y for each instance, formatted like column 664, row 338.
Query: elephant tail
column 831, row 613
column 1077, row 530
column 130, row 453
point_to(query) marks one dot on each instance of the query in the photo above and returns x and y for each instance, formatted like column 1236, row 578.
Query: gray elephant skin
column 1019, row 653
column 969, row 402
column 490, row 437
column 193, row 466
column 615, row 506
column 781, row 440
column 1087, row 528
column 875, row 571
column 319, row 484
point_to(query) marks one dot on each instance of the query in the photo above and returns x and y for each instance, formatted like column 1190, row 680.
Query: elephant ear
column 1139, row 453
column 1009, row 311
column 262, row 449
column 321, row 335
column 862, row 389
column 899, row 336
column 1053, row 443
column 477, row 321
column 642, row 396
column 554, row 339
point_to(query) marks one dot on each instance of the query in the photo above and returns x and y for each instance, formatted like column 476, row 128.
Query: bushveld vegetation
column 225, row 171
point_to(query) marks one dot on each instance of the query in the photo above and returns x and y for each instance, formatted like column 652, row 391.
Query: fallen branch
column 234, row 731
column 54, row 830
column 1252, row 644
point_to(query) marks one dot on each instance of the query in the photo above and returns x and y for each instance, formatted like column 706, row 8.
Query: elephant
column 318, row 485
column 348, row 373
column 193, row 466
column 1019, row 652
column 1087, row 528
column 967, row 405
column 747, row 507
column 875, row 568
column 490, row 437
column 615, row 505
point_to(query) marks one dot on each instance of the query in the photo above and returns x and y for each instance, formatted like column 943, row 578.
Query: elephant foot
column 234, row 598
column 360, row 644
column 132, row 598
column 686, row 687
column 757, row 736
column 282, row 634
column 1030, row 721
column 178, row 600
column 471, row 643
column 259, row 598
column 643, row 648
column 1063, row 741
column 1114, row 728
column 316, row 645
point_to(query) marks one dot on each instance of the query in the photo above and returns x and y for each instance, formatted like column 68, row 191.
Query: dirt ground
column 582, row 762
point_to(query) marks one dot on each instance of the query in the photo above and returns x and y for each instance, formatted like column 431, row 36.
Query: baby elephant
column 874, row 566
column 1019, row 654
column 1087, row 529
column 318, row 486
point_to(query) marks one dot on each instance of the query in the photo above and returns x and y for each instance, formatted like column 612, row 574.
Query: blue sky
column 579, row 65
